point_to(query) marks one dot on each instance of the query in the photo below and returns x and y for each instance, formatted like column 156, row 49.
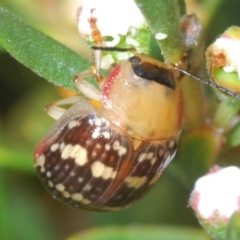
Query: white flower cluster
column 230, row 48
column 217, row 191
column 114, row 18
column 226, row 51
column 118, row 22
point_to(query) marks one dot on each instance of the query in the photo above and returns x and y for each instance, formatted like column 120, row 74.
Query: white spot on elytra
column 141, row 157
column 161, row 152
column 54, row 147
column 97, row 122
column 50, row 184
column 66, row 194
column 147, row 156
column 155, row 178
column 66, row 152
column 80, row 179
column 85, row 201
column 77, row 152
column 88, row 187
column 153, row 160
column 62, row 146
column 60, row 187
column 77, row 197
column 101, row 170
column 121, row 150
column 66, row 167
column 171, row 144
column 80, row 155
column 106, row 134
column 107, row 147
column 136, row 182
column 113, row 174
column 40, row 161
column 108, row 173
column 96, row 133
column 97, row 169
column 73, row 124
column 48, row 174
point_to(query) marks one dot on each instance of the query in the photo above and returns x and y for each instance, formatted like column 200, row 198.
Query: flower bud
column 215, row 198
column 223, row 59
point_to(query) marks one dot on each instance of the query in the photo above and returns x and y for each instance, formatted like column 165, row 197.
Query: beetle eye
column 152, row 72
column 134, row 59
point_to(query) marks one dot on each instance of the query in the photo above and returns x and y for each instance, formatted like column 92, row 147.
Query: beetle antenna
column 113, row 49
column 211, row 84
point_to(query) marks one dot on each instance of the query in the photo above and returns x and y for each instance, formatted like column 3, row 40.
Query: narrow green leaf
column 182, row 6
column 198, row 148
column 45, row 56
column 226, row 111
column 5, row 220
column 233, row 139
column 12, row 159
column 233, row 230
column 164, row 17
column 141, row 233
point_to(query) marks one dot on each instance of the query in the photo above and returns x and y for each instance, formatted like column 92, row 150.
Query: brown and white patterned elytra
column 91, row 165
column 105, row 159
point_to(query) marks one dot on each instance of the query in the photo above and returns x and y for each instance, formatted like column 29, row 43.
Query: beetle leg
column 97, row 63
column 85, row 87
column 94, row 71
column 53, row 109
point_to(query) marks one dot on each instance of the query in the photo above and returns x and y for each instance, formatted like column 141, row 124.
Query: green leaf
column 233, row 139
column 141, row 233
column 164, row 17
column 226, row 111
column 4, row 209
column 17, row 160
column 233, row 230
column 45, row 56
column 182, row 6
column 197, row 151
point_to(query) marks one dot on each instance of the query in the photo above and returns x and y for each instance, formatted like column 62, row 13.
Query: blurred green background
column 27, row 211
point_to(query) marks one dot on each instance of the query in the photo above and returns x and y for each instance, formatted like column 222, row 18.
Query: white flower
column 114, row 18
column 216, row 196
column 219, row 190
column 120, row 23
column 225, row 51
column 230, row 48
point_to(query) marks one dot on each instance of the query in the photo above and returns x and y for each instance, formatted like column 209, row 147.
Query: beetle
column 105, row 158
